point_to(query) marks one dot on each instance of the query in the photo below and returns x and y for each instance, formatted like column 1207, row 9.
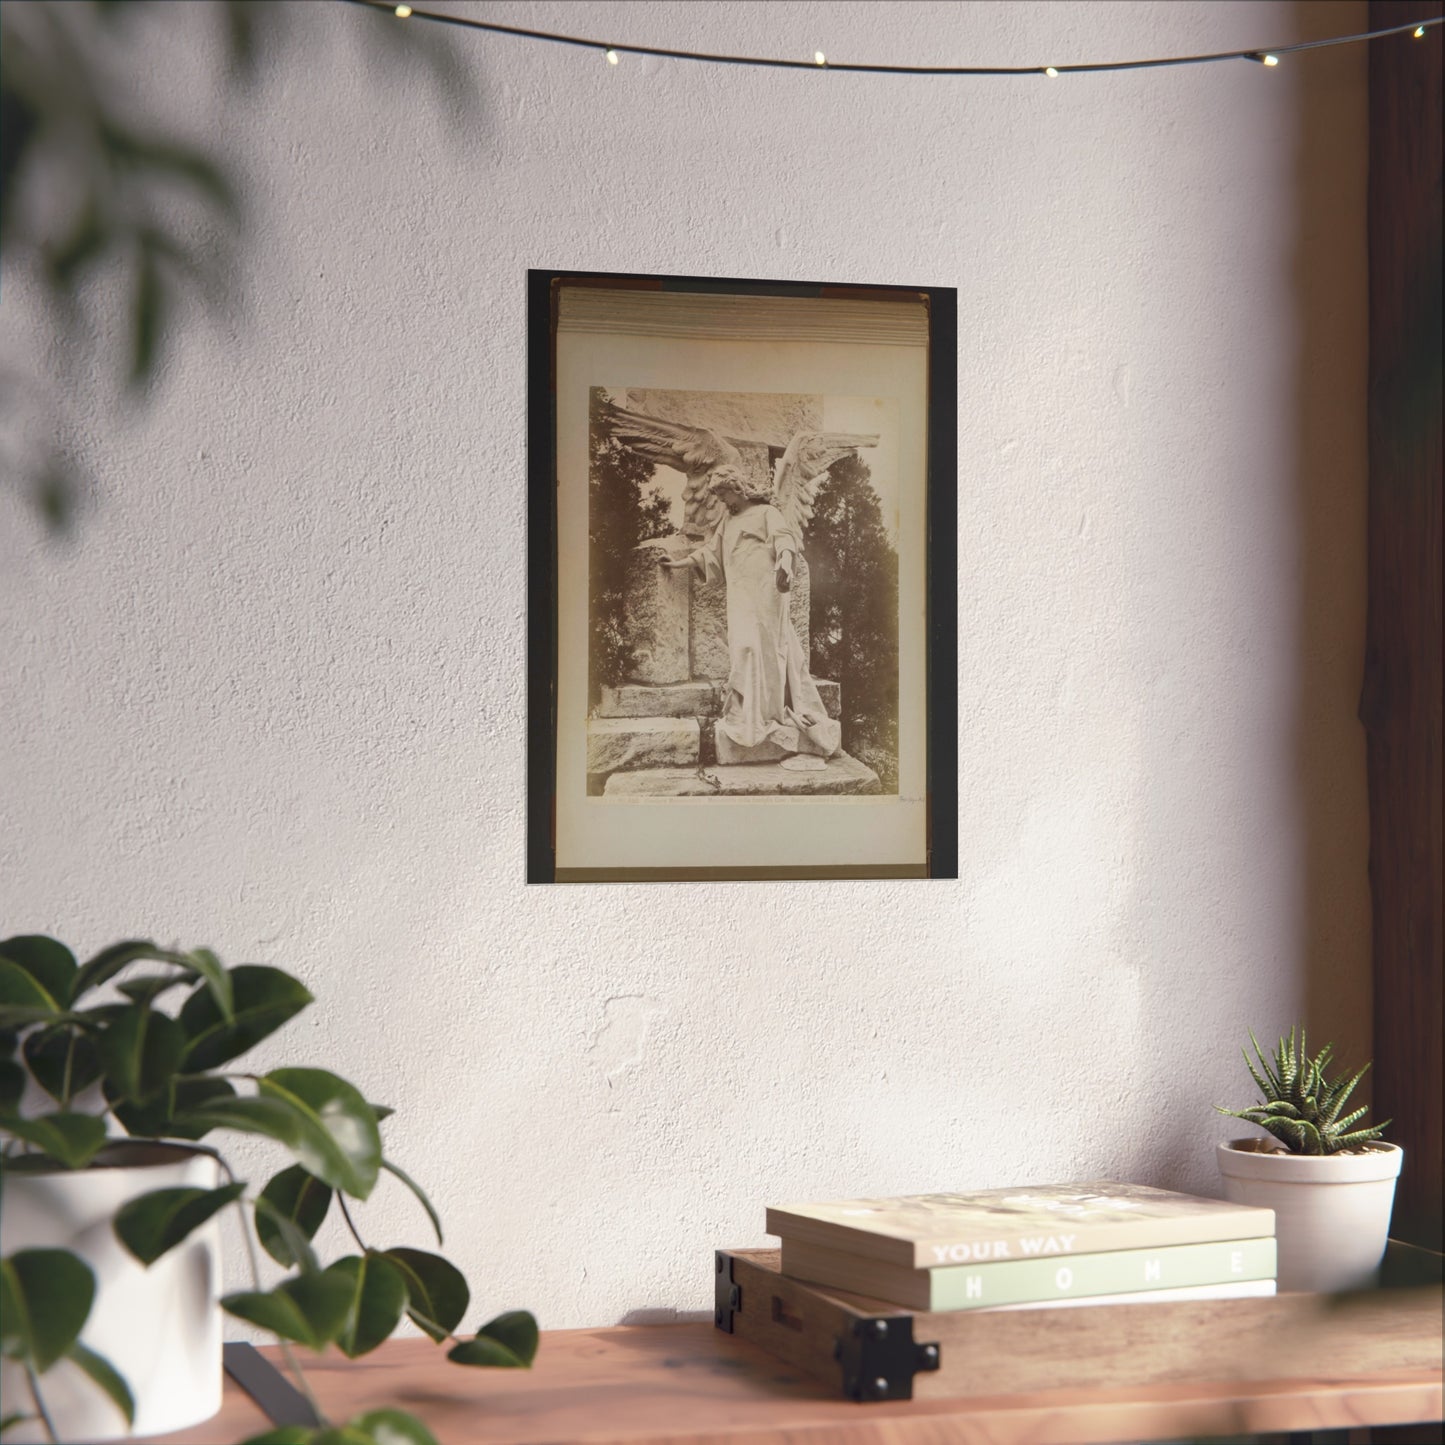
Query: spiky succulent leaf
column 1299, row 1105
column 1360, row 1136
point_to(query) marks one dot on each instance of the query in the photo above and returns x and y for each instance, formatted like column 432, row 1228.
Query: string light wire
column 1268, row 55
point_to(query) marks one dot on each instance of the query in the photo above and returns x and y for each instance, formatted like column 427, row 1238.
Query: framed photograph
column 742, row 589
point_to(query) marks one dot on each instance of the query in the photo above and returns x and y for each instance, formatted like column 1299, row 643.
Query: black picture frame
column 940, row 588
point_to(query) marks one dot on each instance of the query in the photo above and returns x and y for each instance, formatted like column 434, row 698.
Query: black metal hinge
column 727, row 1296
column 880, row 1358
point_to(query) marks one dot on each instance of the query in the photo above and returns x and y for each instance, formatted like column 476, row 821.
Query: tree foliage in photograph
column 624, row 510
column 854, row 571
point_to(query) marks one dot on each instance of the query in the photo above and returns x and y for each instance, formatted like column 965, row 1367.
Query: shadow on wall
column 1331, row 305
column 1321, row 899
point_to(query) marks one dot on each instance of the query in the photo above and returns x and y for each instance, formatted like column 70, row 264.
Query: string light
column 402, row 11
column 612, row 57
column 1260, row 56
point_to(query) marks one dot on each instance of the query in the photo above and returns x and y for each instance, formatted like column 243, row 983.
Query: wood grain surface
column 670, row 1384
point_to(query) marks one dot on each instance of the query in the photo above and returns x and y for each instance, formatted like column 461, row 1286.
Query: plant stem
column 69, row 1068
column 39, row 1403
column 291, row 1361
column 346, row 1215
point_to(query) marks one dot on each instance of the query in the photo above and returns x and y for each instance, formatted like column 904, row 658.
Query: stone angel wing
column 693, row 450
column 803, row 466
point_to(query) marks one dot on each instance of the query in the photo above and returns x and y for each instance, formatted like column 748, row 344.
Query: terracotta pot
column 160, row 1327
column 1331, row 1211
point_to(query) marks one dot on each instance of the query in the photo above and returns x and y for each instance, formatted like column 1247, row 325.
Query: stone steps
column 641, row 742
column 842, row 776
column 700, row 698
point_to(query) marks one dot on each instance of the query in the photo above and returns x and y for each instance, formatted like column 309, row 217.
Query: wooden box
column 870, row 1350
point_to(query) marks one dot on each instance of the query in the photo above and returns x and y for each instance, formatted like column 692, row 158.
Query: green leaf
column 378, row 1296
column 63, row 1060
column 288, row 1235
column 269, row 1117
column 148, row 989
column 437, row 1293
column 50, row 964
column 23, row 999
column 507, row 1342
column 45, row 1299
column 104, row 1374
column 142, row 1051
column 382, row 1111
column 330, row 1142
column 341, row 1435
column 263, row 999
column 392, row 1427
column 151, row 1224
column 187, row 1094
column 109, row 962
column 73, row 1139
column 298, row 1197
column 210, row 968
column 340, row 1143
column 10, row 1421
column 14, row 1323
column 12, row 1086
column 310, row 1310
column 162, row 1117
column 416, row 1189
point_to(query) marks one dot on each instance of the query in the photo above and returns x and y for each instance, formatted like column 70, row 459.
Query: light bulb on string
column 1260, row 57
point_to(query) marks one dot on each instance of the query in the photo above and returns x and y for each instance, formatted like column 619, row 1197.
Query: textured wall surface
column 270, row 696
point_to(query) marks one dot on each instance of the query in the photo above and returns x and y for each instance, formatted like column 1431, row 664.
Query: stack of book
column 1031, row 1247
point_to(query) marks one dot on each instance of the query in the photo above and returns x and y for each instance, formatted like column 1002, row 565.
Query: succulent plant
column 1301, row 1107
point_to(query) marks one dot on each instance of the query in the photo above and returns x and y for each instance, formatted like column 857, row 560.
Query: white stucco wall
column 270, row 698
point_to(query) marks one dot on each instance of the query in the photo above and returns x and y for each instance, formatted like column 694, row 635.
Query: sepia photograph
column 743, row 595
column 741, row 542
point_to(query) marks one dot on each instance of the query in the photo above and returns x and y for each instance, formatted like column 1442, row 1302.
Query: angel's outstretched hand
column 785, row 581
column 674, row 562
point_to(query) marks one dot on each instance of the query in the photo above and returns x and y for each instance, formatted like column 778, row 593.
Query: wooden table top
column 692, row 1384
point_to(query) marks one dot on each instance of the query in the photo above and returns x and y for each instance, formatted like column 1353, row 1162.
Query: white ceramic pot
column 1331, row 1211
column 160, row 1327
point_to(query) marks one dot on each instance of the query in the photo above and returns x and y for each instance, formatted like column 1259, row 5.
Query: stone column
column 657, row 602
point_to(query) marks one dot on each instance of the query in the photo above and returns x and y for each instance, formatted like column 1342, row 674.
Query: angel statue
column 752, row 536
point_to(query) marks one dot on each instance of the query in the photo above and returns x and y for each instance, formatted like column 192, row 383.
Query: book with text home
column 924, row 1231
column 1032, row 1281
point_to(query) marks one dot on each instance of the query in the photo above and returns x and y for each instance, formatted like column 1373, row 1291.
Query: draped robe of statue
column 772, row 709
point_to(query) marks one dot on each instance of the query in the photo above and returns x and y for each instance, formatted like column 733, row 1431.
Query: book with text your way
column 1032, row 1222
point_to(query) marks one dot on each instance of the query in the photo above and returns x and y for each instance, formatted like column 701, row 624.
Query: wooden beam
column 1400, row 703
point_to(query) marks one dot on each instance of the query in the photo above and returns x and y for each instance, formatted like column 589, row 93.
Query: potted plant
column 112, row 1085
column 1331, row 1185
